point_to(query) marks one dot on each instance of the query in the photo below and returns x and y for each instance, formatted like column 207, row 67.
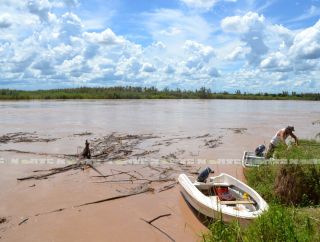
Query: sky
column 224, row 45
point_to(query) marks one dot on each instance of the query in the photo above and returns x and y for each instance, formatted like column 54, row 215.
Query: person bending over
column 281, row 136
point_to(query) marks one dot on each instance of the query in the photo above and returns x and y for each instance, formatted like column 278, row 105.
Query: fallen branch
column 156, row 218
column 53, row 172
column 139, row 179
column 23, row 221
column 54, row 211
column 95, row 169
column 167, row 187
column 144, row 190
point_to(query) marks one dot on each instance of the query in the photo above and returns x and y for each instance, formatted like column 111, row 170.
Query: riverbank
column 147, row 93
column 293, row 194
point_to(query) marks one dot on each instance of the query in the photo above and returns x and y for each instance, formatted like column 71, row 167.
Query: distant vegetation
column 147, row 93
column 293, row 194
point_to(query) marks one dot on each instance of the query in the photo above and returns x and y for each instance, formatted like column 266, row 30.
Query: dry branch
column 23, row 221
column 139, row 179
column 152, row 220
column 52, row 171
column 143, row 190
column 167, row 187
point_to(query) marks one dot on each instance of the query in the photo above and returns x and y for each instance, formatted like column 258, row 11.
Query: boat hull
column 210, row 206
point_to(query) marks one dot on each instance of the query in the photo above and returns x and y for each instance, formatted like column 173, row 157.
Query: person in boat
column 281, row 136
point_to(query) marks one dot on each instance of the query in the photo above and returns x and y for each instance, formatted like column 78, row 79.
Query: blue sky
column 225, row 45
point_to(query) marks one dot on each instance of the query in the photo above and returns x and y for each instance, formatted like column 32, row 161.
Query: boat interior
column 228, row 195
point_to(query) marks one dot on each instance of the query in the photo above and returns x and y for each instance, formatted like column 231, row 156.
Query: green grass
column 279, row 223
column 307, row 149
column 129, row 92
column 286, row 220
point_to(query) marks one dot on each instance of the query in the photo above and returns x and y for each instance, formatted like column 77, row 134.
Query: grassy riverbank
column 293, row 194
column 146, row 93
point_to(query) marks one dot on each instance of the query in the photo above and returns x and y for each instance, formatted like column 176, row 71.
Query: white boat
column 238, row 200
column 250, row 159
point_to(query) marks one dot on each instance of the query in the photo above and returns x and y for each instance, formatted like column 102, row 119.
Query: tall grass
column 293, row 194
column 307, row 149
column 279, row 223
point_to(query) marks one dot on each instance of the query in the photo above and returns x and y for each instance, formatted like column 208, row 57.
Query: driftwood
column 156, row 218
column 167, row 187
column 3, row 220
column 95, row 169
column 54, row 211
column 143, row 190
column 86, row 153
column 139, row 179
column 21, row 137
column 52, row 171
column 120, row 173
column 23, row 221
column 115, row 174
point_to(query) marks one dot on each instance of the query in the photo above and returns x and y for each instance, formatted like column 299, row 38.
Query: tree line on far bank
column 130, row 92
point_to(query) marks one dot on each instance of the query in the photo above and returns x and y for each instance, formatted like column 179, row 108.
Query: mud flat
column 81, row 205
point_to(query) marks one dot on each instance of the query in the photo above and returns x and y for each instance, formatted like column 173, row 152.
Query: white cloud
column 203, row 5
column 107, row 37
column 147, row 67
column 243, row 24
column 5, row 21
column 200, row 4
column 251, row 28
column 276, row 62
column 237, row 53
column 40, row 8
column 44, row 42
column 199, row 50
column 306, row 44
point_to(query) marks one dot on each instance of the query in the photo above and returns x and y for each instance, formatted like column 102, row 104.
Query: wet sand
column 118, row 220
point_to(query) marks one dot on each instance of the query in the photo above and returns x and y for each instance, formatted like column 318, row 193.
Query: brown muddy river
column 181, row 129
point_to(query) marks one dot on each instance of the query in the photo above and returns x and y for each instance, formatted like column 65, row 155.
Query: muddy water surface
column 204, row 129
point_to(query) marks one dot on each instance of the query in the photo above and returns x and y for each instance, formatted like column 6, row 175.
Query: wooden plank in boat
column 236, row 202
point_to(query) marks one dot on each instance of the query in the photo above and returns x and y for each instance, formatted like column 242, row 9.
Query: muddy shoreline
column 64, row 206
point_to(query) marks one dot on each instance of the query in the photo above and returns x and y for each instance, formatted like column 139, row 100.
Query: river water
column 235, row 125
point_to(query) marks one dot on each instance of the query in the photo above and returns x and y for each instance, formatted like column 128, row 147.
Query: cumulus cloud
column 251, row 27
column 107, row 37
column 243, row 24
column 40, row 8
column 276, row 62
column 237, row 53
column 147, row 67
column 200, row 50
column 306, row 44
column 51, row 47
column 5, row 21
